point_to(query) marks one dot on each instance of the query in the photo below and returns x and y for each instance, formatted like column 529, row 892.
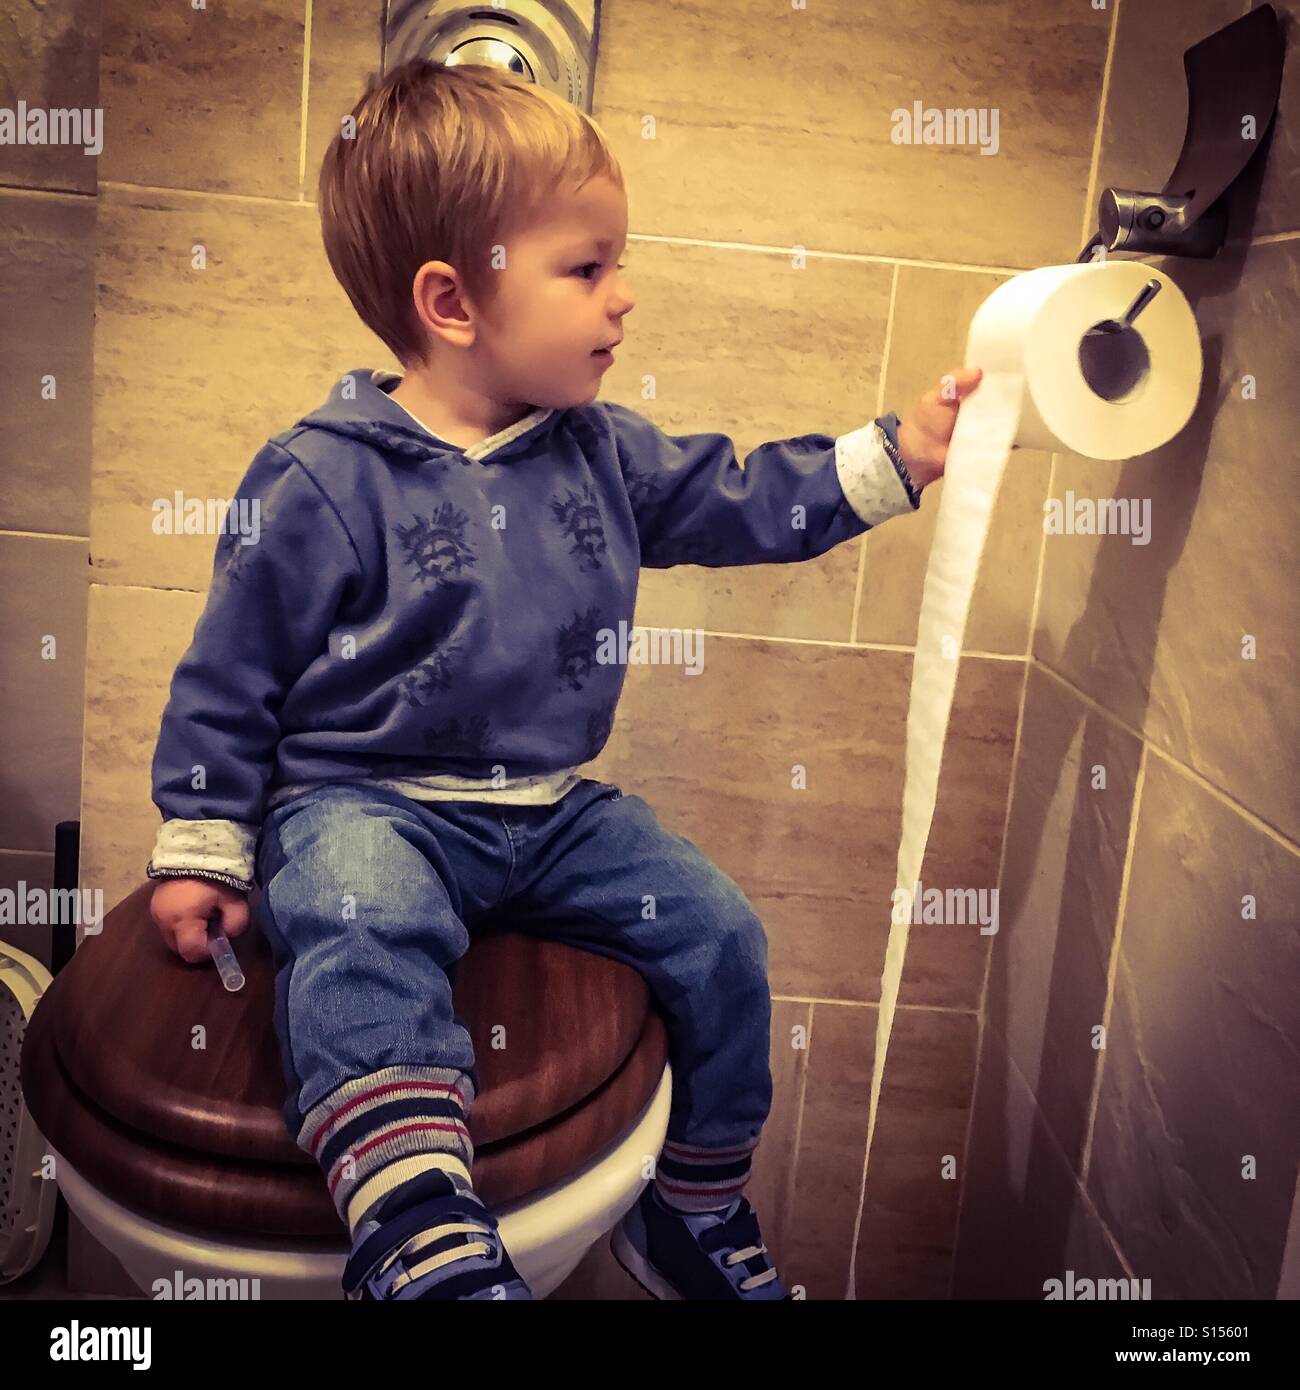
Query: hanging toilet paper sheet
column 1048, row 382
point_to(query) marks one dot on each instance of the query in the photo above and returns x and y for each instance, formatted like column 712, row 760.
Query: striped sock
column 376, row 1133
column 691, row 1178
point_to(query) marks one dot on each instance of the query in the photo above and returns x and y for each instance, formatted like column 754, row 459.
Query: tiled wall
column 49, row 57
column 1163, row 1148
column 774, row 133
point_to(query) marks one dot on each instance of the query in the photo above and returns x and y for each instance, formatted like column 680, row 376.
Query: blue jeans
column 372, row 988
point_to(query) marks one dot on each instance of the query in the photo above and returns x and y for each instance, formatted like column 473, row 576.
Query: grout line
column 1113, row 966
column 767, row 249
column 889, row 341
column 1041, row 568
column 798, row 1119
column 880, row 406
column 43, row 192
column 208, row 194
column 870, row 1004
column 1064, row 1157
column 306, row 91
column 43, row 535
column 144, row 588
column 1251, row 817
column 982, row 1007
column 302, row 201
column 1090, row 197
column 828, row 642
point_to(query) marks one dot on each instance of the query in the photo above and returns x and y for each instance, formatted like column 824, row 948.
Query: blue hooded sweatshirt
column 453, row 623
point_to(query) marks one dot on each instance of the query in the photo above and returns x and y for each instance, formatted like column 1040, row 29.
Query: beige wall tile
column 1199, row 1076
column 135, row 639
column 819, row 1234
column 1155, row 632
column 1059, row 900
column 204, row 98
column 908, row 1215
column 1278, row 179
column 715, row 756
column 1024, row 1219
column 746, row 345
column 917, row 1152
column 777, row 130
column 346, row 42
column 47, row 324
column 195, row 369
column 44, row 584
column 49, row 58
column 771, row 1186
column 932, row 314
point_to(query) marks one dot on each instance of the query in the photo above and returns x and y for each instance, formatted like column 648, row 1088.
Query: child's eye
column 582, row 269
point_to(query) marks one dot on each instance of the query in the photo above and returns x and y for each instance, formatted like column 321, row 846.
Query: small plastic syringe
column 227, row 966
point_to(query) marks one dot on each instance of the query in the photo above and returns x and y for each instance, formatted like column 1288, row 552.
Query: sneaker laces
column 415, row 1228
column 738, row 1225
column 463, row 1247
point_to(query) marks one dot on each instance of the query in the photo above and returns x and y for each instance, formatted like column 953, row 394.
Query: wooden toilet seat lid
column 163, row 1049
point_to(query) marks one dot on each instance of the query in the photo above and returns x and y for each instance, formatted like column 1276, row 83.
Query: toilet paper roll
column 1048, row 383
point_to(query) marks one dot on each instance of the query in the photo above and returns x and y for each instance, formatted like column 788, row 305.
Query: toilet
column 159, row 1095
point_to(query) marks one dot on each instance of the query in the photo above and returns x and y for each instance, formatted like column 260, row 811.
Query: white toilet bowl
column 546, row 1233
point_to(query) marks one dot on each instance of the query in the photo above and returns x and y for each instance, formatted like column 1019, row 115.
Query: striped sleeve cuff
column 889, row 426
column 873, row 484
column 222, row 850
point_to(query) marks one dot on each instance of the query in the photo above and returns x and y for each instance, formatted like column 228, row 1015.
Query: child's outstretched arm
column 794, row 499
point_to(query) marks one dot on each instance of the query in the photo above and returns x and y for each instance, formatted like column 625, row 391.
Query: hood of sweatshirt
column 360, row 407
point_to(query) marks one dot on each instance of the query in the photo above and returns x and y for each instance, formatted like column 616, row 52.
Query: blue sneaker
column 707, row 1255
column 445, row 1247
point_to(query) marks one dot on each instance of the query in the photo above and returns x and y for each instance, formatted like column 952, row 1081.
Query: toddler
column 382, row 713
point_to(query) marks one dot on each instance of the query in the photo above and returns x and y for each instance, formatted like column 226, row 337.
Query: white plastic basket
column 27, row 1201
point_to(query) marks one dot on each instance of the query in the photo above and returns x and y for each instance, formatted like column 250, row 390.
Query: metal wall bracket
column 1234, row 73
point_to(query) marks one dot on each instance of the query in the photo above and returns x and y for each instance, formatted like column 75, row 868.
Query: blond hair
column 445, row 162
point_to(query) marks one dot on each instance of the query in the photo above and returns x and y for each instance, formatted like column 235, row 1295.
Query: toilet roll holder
column 1233, row 75
column 1112, row 355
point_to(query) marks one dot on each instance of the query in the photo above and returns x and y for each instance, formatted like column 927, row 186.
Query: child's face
column 560, row 298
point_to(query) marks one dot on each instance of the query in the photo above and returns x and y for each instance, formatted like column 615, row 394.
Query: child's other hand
column 924, row 432
column 182, row 907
